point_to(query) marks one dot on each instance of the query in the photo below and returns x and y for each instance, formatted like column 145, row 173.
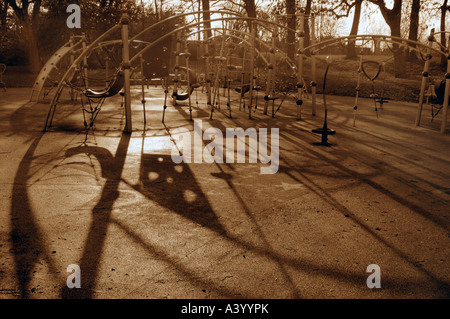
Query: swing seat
column 245, row 88
column 440, row 92
column 185, row 95
column 114, row 87
column 182, row 96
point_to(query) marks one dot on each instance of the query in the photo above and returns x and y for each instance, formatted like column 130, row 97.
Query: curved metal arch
column 289, row 62
column 236, row 17
column 72, row 68
column 118, row 26
column 392, row 39
column 45, row 71
column 187, row 26
column 233, row 36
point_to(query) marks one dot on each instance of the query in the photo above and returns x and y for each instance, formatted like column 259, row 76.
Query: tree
column 444, row 8
column 291, row 23
column 393, row 19
column 306, row 29
column 206, row 17
column 3, row 16
column 351, row 52
column 27, row 15
column 414, row 20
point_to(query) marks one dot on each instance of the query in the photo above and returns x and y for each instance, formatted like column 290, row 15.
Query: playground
column 89, row 177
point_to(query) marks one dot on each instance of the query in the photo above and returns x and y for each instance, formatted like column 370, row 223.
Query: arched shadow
column 27, row 241
column 112, row 167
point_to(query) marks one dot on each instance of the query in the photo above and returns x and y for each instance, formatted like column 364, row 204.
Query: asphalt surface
column 141, row 226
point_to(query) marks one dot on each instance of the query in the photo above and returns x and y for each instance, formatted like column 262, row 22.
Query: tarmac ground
column 139, row 225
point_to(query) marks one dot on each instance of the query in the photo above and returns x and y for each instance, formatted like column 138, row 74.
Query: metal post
column 86, row 80
column 313, row 71
column 446, row 96
column 270, row 67
column 177, row 67
column 107, row 71
column 143, row 86
column 300, row 84
column 252, row 67
column 126, row 66
column 425, row 75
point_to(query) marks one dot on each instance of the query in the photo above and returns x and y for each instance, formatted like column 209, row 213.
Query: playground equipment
column 219, row 69
column 324, row 131
column 48, row 78
column 98, row 97
column 377, row 69
column 435, row 96
column 2, row 71
column 80, row 50
column 405, row 44
column 425, row 75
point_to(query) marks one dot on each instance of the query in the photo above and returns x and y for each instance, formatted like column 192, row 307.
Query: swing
column 436, row 92
column 98, row 97
column 193, row 85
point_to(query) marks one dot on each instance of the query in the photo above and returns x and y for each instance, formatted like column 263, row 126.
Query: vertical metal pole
column 143, row 86
column 188, row 75
column 107, row 71
column 72, row 58
column 207, row 60
column 177, row 67
column 242, row 81
column 228, row 79
column 270, row 67
column 313, row 70
column 300, row 84
column 126, row 65
column 358, row 89
column 446, row 96
column 86, row 80
column 252, row 67
column 425, row 75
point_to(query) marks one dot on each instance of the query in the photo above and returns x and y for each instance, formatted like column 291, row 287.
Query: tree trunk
column 250, row 8
column 393, row 19
column 307, row 38
column 32, row 49
column 3, row 16
column 414, row 20
column 414, row 24
column 30, row 24
column 206, row 17
column 292, row 24
column 351, row 52
column 444, row 9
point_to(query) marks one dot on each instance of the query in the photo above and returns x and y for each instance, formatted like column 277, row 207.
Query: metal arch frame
column 312, row 49
column 117, row 27
column 396, row 40
column 60, row 87
column 50, row 65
